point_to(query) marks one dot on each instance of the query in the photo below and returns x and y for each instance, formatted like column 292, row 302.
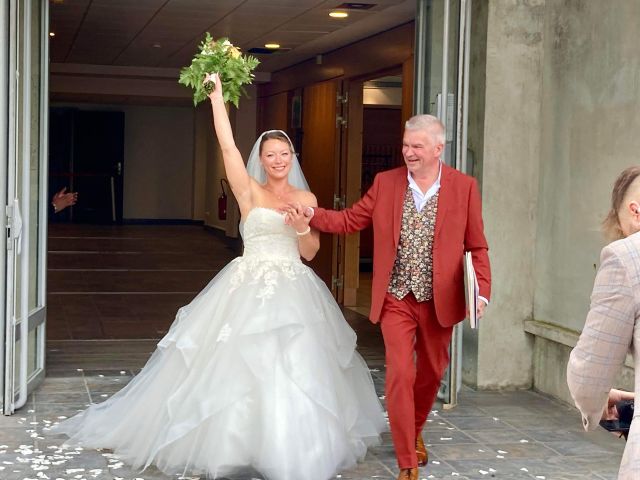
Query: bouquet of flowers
column 221, row 57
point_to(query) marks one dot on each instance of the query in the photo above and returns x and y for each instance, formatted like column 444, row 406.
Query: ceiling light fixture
column 338, row 14
column 157, row 45
column 52, row 34
column 272, row 46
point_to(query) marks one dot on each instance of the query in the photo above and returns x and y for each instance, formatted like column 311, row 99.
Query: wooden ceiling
column 165, row 33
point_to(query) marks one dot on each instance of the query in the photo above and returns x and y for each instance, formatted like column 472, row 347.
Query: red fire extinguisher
column 222, row 199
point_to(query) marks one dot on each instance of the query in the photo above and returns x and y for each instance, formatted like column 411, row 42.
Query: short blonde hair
column 621, row 188
column 429, row 124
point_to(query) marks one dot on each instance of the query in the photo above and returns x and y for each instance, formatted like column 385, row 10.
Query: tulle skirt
column 259, row 370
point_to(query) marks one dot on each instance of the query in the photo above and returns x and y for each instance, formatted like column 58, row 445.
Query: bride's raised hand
column 216, row 93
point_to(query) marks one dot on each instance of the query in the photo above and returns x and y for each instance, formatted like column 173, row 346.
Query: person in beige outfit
column 612, row 327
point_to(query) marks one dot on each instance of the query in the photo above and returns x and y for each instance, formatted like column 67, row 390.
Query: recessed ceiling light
column 157, row 45
column 272, row 46
column 338, row 14
column 52, row 34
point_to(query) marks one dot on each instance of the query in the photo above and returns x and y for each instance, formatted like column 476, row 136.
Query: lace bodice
column 270, row 253
column 266, row 236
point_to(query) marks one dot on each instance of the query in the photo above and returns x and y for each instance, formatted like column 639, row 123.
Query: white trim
column 43, row 187
column 25, row 197
column 4, row 160
column 9, row 340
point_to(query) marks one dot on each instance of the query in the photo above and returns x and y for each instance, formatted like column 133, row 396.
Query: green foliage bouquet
column 221, row 57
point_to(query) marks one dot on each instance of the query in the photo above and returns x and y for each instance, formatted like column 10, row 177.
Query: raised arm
column 234, row 167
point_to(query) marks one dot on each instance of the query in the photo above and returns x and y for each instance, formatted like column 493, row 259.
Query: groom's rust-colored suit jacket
column 459, row 228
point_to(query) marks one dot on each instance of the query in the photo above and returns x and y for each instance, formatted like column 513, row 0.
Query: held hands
column 297, row 218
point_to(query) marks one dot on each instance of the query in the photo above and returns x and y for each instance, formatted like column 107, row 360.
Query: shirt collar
column 432, row 189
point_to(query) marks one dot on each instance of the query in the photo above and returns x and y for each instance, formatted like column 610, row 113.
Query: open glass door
column 440, row 89
column 23, row 79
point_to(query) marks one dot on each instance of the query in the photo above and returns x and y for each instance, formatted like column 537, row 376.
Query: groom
column 425, row 215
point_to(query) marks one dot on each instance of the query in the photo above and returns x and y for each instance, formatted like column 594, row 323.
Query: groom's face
column 420, row 150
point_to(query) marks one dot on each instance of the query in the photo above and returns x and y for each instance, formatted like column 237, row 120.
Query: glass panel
column 20, row 107
column 34, row 162
column 32, row 343
column 442, row 22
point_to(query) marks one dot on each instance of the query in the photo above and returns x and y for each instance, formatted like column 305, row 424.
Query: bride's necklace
column 279, row 196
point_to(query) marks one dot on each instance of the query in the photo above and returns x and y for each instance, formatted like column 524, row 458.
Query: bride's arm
column 308, row 239
column 234, row 167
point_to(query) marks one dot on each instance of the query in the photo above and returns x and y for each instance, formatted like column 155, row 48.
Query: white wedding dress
column 259, row 370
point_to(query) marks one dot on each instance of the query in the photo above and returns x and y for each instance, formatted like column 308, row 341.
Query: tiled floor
column 107, row 282
column 508, row 435
column 505, row 435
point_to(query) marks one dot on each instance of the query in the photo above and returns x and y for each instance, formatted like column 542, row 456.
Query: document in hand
column 472, row 289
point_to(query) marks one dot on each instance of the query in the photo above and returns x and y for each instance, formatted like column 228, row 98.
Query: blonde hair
column 621, row 187
column 428, row 123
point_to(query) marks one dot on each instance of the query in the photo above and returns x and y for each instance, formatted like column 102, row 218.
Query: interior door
column 441, row 89
column 87, row 156
column 322, row 126
column 24, row 91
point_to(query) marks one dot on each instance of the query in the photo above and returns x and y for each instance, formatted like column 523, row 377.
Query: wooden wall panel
column 319, row 160
column 368, row 56
column 273, row 112
column 407, row 90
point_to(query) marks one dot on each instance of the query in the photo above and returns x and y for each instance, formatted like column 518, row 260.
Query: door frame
column 16, row 179
column 454, row 82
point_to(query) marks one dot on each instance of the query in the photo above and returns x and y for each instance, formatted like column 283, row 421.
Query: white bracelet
column 301, row 234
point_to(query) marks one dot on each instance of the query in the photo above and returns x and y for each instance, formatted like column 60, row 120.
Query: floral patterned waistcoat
column 413, row 268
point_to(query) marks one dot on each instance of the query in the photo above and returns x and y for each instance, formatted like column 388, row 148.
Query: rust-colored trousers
column 416, row 352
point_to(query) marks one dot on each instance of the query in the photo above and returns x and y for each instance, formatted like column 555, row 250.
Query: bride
column 260, row 369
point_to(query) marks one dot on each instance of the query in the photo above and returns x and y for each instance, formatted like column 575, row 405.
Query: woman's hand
column 64, row 199
column 295, row 217
column 216, row 93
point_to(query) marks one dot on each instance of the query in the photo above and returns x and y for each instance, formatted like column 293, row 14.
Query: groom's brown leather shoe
column 408, row 474
column 421, row 452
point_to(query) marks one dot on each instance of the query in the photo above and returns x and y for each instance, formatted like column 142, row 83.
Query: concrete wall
column 590, row 124
column 510, row 178
column 560, row 120
column 590, row 120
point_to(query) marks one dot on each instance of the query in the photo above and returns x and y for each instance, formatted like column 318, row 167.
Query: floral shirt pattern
column 413, row 268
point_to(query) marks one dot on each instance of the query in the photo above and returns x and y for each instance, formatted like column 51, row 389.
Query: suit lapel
column 399, row 191
column 443, row 198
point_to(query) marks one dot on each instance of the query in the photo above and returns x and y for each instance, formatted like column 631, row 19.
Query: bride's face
column 276, row 158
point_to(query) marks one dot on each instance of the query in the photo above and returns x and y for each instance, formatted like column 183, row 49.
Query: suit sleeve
column 349, row 220
column 476, row 243
column 604, row 342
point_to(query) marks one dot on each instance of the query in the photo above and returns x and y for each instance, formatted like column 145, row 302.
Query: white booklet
column 471, row 283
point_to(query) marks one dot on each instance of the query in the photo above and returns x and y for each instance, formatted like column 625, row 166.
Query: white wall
column 159, row 162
